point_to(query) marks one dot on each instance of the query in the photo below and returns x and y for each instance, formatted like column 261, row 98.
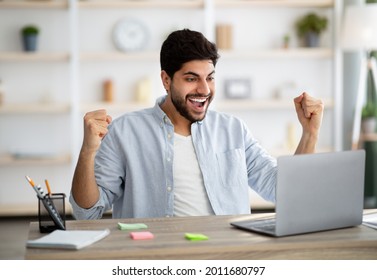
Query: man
column 179, row 158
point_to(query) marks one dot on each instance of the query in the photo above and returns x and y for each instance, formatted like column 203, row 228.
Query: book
column 370, row 220
column 68, row 239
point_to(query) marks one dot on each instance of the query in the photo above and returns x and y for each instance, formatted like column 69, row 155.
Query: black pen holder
column 46, row 222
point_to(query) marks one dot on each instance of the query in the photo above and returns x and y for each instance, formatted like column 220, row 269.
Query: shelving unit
column 36, row 109
column 88, row 58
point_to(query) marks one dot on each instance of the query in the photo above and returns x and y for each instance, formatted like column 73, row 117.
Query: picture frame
column 239, row 88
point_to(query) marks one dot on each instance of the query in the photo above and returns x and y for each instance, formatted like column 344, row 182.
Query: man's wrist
column 310, row 137
column 87, row 153
column 307, row 143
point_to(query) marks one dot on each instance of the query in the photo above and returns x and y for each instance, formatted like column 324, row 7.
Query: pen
column 48, row 187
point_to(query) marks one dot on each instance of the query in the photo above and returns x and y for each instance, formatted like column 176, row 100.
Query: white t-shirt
column 190, row 196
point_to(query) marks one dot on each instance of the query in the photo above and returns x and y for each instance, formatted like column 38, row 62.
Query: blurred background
column 62, row 58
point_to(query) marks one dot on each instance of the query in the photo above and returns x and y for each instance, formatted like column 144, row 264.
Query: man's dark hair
column 185, row 45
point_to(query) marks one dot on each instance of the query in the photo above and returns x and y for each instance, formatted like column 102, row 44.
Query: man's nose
column 203, row 87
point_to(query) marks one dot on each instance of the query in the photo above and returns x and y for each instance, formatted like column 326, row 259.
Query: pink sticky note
column 140, row 235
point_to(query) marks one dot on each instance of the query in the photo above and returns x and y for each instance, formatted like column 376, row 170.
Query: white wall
column 254, row 29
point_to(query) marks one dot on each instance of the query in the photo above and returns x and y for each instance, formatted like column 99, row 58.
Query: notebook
column 315, row 192
column 68, row 239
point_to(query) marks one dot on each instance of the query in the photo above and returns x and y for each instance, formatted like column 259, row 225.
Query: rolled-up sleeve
column 95, row 212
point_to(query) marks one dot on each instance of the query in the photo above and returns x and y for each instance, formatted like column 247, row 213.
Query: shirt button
column 168, row 159
column 169, row 135
column 169, row 189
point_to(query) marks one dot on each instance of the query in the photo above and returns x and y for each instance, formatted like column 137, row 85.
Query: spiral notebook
column 68, row 239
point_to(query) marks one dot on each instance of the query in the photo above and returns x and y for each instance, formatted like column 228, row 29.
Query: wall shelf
column 268, row 104
column 165, row 4
column 275, row 3
column 119, row 56
column 114, row 107
column 194, row 4
column 30, row 108
column 34, row 57
column 10, row 160
column 313, row 53
column 11, row 4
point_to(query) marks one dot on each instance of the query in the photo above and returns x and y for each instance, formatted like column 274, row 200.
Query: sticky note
column 196, row 236
column 123, row 226
column 141, row 235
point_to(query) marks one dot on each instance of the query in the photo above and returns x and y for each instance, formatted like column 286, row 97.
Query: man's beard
column 181, row 106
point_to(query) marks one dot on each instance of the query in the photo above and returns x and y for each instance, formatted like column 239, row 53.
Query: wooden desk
column 225, row 242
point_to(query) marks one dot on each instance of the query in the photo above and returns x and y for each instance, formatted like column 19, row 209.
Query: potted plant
column 310, row 27
column 29, row 35
column 286, row 40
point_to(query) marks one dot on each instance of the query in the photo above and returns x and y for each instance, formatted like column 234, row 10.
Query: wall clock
column 130, row 35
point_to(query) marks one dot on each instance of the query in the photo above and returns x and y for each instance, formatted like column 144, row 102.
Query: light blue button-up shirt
column 134, row 166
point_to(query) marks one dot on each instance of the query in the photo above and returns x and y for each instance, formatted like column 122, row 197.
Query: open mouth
column 198, row 102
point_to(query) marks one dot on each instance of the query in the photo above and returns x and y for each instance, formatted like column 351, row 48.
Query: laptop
column 315, row 192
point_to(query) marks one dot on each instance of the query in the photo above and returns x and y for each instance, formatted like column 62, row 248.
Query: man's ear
column 166, row 80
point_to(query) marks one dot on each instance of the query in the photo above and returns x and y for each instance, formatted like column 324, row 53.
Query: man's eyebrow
column 197, row 75
column 191, row 73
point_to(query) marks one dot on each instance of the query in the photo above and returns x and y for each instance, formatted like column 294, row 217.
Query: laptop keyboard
column 268, row 225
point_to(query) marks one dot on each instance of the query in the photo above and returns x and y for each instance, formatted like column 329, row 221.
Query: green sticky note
column 196, row 236
column 123, row 226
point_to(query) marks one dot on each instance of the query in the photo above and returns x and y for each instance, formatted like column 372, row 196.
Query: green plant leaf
column 30, row 29
column 311, row 23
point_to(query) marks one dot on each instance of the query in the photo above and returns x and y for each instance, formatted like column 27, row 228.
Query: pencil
column 48, row 187
column 30, row 181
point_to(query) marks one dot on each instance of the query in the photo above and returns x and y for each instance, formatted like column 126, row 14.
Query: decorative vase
column 30, row 42
column 312, row 39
